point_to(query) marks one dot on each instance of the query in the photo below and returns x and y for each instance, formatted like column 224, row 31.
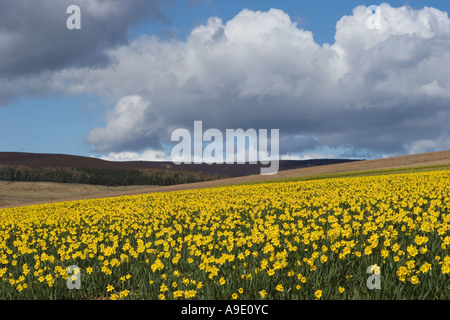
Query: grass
column 349, row 174
column 24, row 193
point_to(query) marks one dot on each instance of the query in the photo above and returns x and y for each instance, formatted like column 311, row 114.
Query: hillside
column 14, row 194
column 237, row 170
column 31, row 167
column 9, row 196
column 41, row 160
column 416, row 160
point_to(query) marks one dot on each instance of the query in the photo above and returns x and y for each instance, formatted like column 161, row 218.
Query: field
column 365, row 237
column 20, row 193
column 25, row 193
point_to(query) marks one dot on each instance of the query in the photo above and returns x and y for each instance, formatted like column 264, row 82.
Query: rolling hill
column 11, row 196
column 42, row 160
column 417, row 160
column 16, row 166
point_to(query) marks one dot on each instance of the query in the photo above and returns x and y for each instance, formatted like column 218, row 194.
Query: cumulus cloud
column 372, row 91
column 127, row 125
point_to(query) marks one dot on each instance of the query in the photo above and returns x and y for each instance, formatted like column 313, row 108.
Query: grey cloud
column 34, row 37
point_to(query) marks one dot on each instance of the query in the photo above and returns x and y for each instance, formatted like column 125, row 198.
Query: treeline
column 106, row 177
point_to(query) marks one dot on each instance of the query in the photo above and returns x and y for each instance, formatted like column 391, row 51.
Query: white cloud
column 307, row 156
column 126, row 124
column 291, row 157
column 147, row 155
column 429, row 145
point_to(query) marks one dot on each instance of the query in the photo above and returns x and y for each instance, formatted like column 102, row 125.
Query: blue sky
column 318, row 16
column 52, row 106
column 49, row 125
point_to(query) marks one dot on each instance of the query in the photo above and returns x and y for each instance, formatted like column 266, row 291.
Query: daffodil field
column 319, row 239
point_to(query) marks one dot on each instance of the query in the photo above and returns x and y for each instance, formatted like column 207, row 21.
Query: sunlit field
column 319, row 239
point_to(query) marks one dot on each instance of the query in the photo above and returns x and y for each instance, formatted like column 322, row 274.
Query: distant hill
column 42, row 160
column 24, row 193
column 209, row 172
column 237, row 170
column 32, row 167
